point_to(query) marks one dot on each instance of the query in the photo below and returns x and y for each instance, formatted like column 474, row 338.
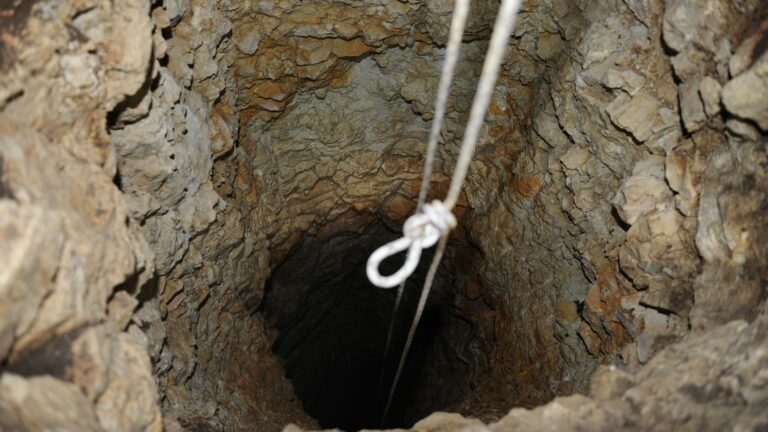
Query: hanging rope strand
column 501, row 32
column 391, row 330
column 458, row 22
column 419, row 311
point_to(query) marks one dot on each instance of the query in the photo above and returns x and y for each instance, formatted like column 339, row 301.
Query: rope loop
column 421, row 231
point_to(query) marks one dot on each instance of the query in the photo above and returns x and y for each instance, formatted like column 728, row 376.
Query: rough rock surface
column 160, row 161
column 708, row 382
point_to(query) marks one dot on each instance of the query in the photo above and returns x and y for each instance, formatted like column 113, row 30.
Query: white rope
column 456, row 33
column 419, row 310
column 458, row 21
column 435, row 220
column 390, row 331
column 423, row 229
column 505, row 20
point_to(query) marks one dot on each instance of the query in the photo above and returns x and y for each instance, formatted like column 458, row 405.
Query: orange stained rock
column 399, row 208
column 275, row 90
column 603, row 330
column 524, row 185
column 566, row 311
column 269, row 104
column 349, row 48
column 340, row 80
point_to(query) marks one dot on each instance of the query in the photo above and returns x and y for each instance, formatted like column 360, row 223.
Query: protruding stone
column 575, row 157
column 44, row 403
column 638, row 114
column 33, row 241
column 691, row 106
column 709, row 90
column 644, row 192
column 130, row 399
column 610, row 382
column 747, row 94
column 549, row 45
column 120, row 309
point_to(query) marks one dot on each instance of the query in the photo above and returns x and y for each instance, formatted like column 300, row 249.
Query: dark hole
column 5, row 190
column 760, row 48
column 117, row 180
column 331, row 326
column 52, row 356
column 167, row 33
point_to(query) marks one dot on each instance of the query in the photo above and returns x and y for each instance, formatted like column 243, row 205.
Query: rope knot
column 421, row 231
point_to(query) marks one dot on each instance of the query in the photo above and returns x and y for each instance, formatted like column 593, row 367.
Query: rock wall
column 72, row 255
column 712, row 381
column 161, row 159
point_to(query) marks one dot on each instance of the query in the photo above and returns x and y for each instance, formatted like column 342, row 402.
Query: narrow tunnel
column 330, row 325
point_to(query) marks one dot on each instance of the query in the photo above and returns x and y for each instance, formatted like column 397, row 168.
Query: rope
column 421, row 231
column 391, row 330
column 433, row 222
column 425, row 235
column 501, row 31
column 458, row 21
column 419, row 310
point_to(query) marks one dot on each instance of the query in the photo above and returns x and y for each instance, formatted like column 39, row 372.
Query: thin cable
column 419, row 310
column 400, row 290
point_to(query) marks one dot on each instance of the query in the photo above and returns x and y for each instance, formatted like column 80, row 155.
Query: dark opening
column 331, row 326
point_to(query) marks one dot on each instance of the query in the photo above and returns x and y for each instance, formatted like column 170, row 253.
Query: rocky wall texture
column 162, row 160
column 712, row 381
column 71, row 357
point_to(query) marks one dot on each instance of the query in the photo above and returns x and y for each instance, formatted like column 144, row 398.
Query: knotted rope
column 433, row 222
column 456, row 32
column 421, row 231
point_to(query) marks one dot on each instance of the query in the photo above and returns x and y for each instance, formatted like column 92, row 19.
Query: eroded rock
column 44, row 403
column 161, row 159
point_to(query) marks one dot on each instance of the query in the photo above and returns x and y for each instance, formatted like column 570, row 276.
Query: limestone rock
column 709, row 90
column 748, row 52
column 610, row 382
column 574, row 158
column 644, row 192
column 636, row 115
column 746, row 94
column 44, row 403
column 120, row 309
column 691, row 106
column 25, row 229
column 439, row 422
column 130, row 399
column 92, row 357
column 681, row 26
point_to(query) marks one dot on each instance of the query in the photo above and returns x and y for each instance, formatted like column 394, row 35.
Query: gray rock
column 709, row 90
column 746, row 95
